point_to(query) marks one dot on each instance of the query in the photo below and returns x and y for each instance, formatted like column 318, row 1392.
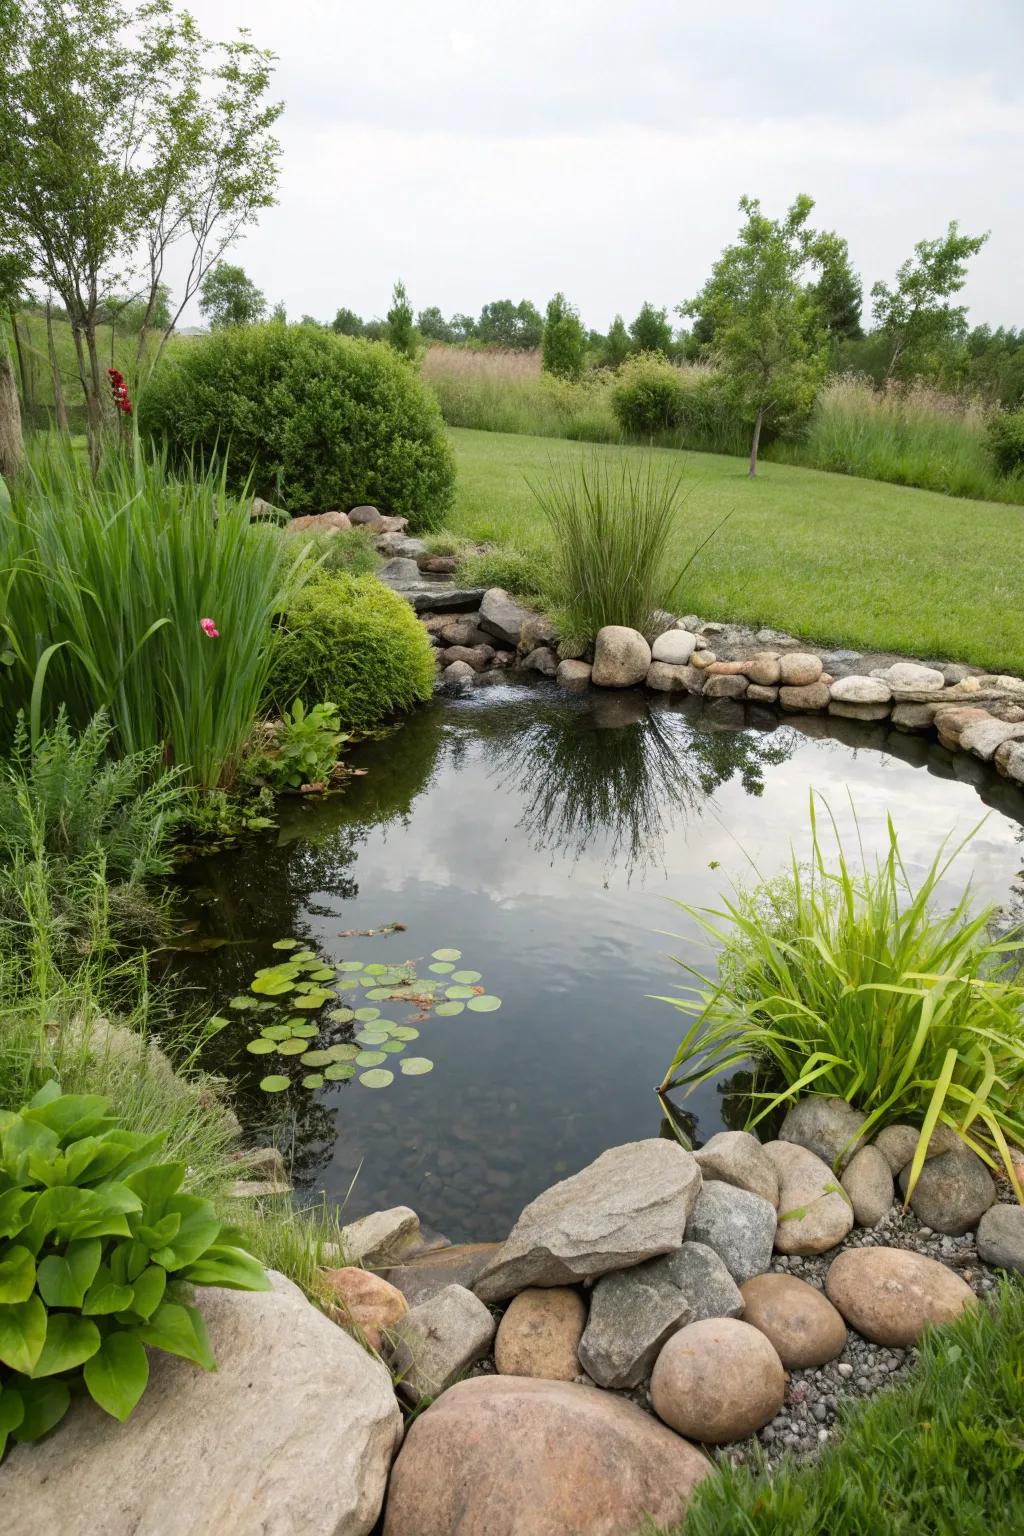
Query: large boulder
column 502, row 616
column 210, row 1452
column 738, row 1226
column 737, row 1157
column 573, row 674
column 540, row 1334
column 663, row 677
column 867, row 1180
column 828, row 1127
column 861, row 690
column 675, row 647
column 631, row 1204
column 814, row 1211
column 911, row 677
column 621, row 657
column 436, row 1341
column 891, row 1295
column 1001, row 1237
column 802, row 1325
column 381, row 1238
column 953, row 1191
column 799, row 669
column 511, row 1456
column 717, row 1381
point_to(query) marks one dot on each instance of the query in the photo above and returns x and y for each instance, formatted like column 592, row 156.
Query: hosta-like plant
column 99, row 1250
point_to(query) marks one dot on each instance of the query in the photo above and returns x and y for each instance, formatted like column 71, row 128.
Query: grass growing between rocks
column 835, row 559
column 943, row 1453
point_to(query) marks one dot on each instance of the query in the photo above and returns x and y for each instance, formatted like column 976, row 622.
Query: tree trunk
column 26, row 383
column 89, row 373
column 59, row 404
column 12, row 448
column 755, row 443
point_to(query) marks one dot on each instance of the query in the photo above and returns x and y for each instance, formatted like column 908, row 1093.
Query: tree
column 838, row 292
column 518, row 327
column 767, row 327
column 279, row 315
column 12, row 279
column 617, row 344
column 229, row 297
column 463, row 327
column 432, row 325
column 565, row 340
column 915, row 315
column 123, row 132
column 401, row 332
column 651, row 331
column 347, row 323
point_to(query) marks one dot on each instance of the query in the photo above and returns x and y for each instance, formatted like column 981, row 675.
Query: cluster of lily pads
column 303, row 984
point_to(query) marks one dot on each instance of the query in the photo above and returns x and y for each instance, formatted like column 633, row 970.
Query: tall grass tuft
column 508, row 392
column 855, row 985
column 103, row 584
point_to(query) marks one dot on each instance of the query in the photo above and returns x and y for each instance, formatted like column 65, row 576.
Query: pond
column 544, row 838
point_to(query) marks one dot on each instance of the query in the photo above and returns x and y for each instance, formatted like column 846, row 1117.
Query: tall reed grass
column 857, row 985
column 103, row 584
column 508, row 392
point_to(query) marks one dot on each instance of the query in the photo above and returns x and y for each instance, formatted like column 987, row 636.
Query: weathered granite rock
column 202, row 1452
column 802, row 1325
column 725, row 686
column 318, row 522
column 891, row 1294
column 1009, row 759
column 458, row 1264
column 675, row 647
column 573, row 674
column 984, row 736
column 502, row 616
column 737, row 1225
column 736, row 1157
column 479, row 657
column 858, row 711
column 763, row 668
column 631, row 1204
column 799, row 669
column 367, row 1306
column 537, row 630
column 542, row 660
column 799, row 700
column 663, row 677
column 911, row 675
column 511, row 1456
column 953, row 1191
column 459, row 674
column 432, row 565
column 727, row 669
column 867, row 1179
column 437, row 1340
column 621, row 657
column 952, row 720
column 381, row 1238
column 540, row 1334
column 759, row 693
column 814, row 1211
column 861, row 690
column 898, row 1143
column 1001, row 1237
column 365, row 517
column 717, row 1381
column 828, row 1127
column 912, row 717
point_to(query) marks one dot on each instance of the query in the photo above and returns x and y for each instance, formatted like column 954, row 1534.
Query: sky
column 511, row 150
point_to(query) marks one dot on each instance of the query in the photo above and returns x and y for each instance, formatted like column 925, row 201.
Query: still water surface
column 548, row 838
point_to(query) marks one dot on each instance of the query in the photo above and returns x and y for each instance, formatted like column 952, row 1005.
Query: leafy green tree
column 432, row 325
column 617, row 345
column 229, row 297
column 519, row 327
column 769, row 337
column 279, row 315
column 915, row 315
column 838, row 292
column 347, row 323
column 565, row 340
column 401, row 331
column 463, row 327
column 651, row 331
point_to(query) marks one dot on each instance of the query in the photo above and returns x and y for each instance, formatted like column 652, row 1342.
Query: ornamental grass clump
column 859, row 986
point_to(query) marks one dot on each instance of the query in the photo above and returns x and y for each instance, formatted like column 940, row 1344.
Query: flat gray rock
column 631, row 1204
column 738, row 1226
column 1001, row 1237
column 435, row 1342
column 502, row 616
column 737, row 1157
column 828, row 1127
column 953, row 1192
column 440, row 597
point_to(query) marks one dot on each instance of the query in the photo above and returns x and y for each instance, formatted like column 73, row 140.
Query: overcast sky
column 508, row 150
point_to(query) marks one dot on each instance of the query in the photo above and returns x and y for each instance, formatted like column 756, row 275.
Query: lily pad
column 378, row 1078
column 449, row 1010
column 285, row 944
column 313, row 999
column 484, row 1004
column 416, row 1066
column 291, row 1047
column 458, row 992
column 322, row 973
column 364, row 1015
column 345, row 984
column 339, row 1072
column 317, row 1058
column 305, row 1031
column 276, row 1031
column 350, row 965
column 447, row 954
column 341, row 1015
column 379, row 992
column 261, row 1047
column 313, row 1080
column 274, row 1084
column 442, row 967
column 303, row 957
column 405, row 1032
column 242, row 1003
column 393, row 1046
column 375, row 970
column 370, row 1058
column 466, row 978
column 272, row 986
column 344, row 1052
column 372, row 1036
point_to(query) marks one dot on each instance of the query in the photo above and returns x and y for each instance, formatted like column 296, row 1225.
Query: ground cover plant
column 832, row 558
column 142, row 594
column 313, row 420
column 855, row 983
column 942, row 1452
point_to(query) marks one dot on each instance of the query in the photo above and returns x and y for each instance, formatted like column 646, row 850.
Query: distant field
column 836, row 559
column 117, row 352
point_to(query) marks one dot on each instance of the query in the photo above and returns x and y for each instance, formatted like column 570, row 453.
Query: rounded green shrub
column 355, row 643
column 316, row 420
column 648, row 395
column 1006, row 441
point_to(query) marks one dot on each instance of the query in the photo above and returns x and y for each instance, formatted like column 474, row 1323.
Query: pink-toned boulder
column 367, row 1306
column 540, row 1334
column 891, row 1295
column 512, row 1456
column 798, row 669
column 804, row 697
column 319, row 522
column 802, row 1324
column 718, row 1380
column 763, row 668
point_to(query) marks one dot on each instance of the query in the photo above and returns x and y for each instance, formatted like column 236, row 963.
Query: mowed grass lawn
column 834, row 559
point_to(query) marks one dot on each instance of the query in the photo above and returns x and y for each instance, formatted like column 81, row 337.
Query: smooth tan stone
column 718, row 1380
column 891, row 1295
column 367, row 1306
column 802, row 1325
column 798, row 669
column 540, row 1334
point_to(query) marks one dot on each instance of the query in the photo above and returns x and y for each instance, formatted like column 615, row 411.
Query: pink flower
column 209, row 629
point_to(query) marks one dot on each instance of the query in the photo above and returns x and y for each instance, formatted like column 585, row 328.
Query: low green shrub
column 524, row 572
column 648, row 396
column 855, row 985
column 307, row 745
column 1006, row 441
column 351, row 551
column 939, row 1453
column 99, row 1252
column 315, row 420
column 352, row 641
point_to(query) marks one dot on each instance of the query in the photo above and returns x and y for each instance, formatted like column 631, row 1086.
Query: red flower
column 209, row 629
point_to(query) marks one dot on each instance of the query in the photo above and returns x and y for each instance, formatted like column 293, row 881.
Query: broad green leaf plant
column 857, row 985
column 99, row 1250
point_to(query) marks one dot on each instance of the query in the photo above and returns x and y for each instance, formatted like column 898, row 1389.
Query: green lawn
column 832, row 558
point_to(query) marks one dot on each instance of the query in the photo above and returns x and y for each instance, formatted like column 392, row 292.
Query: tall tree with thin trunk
column 915, row 315
column 59, row 405
column 769, row 337
column 12, row 278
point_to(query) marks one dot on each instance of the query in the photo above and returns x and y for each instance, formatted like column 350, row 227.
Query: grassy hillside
column 836, row 559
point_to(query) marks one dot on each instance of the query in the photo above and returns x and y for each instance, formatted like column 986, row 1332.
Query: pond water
column 546, row 838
